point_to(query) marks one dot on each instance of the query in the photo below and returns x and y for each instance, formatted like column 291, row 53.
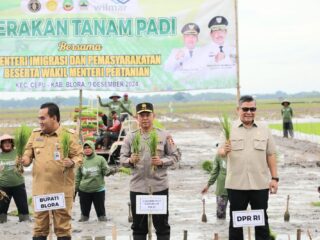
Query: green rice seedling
column 65, row 143
column 207, row 166
column 225, row 125
column 153, row 142
column 136, row 144
column 22, row 135
column 124, row 171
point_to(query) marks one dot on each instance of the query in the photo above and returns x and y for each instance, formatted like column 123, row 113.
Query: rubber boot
column 24, row 218
column 3, row 218
column 39, row 238
column 139, row 237
column 83, row 219
column 163, row 237
column 64, row 238
column 103, row 219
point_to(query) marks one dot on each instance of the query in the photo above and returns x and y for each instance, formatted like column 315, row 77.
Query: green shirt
column 90, row 176
column 127, row 104
column 8, row 175
column 287, row 114
column 218, row 174
column 117, row 106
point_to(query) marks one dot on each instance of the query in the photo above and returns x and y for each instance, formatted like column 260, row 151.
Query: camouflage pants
column 222, row 202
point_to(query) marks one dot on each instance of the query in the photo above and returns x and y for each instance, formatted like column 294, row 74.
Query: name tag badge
column 56, row 155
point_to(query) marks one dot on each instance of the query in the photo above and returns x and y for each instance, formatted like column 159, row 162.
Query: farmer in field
column 90, row 183
column 287, row 114
column 54, row 152
column 114, row 105
column 251, row 166
column 218, row 174
column 11, row 181
column 127, row 103
column 149, row 152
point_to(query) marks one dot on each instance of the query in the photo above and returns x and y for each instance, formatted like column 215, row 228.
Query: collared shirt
column 188, row 62
column 49, row 175
column 212, row 49
column 247, row 166
column 142, row 175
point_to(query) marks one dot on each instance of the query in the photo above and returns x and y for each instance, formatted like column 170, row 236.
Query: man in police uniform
column 149, row 171
column 114, row 105
column 185, row 60
column 52, row 172
column 219, row 51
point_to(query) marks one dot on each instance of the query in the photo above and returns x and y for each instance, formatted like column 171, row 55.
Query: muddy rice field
column 299, row 172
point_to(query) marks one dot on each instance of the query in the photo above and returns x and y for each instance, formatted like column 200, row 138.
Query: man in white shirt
column 183, row 61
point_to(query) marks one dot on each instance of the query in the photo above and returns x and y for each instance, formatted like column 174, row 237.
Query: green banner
column 117, row 45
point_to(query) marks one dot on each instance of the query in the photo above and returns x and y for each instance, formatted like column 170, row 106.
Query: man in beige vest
column 251, row 167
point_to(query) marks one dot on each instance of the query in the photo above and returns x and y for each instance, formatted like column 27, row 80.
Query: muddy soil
column 299, row 171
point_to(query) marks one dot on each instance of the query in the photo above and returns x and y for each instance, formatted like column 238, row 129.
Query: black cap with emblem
column 190, row 29
column 144, row 107
column 218, row 23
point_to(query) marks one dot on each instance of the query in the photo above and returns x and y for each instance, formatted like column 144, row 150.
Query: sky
column 279, row 48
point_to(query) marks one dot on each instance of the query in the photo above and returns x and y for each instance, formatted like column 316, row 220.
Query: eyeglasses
column 246, row 109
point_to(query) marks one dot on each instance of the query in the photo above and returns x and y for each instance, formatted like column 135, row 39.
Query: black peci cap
column 144, row 107
column 218, row 23
column 190, row 29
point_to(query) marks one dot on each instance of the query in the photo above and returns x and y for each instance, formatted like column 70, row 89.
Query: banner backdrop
column 121, row 45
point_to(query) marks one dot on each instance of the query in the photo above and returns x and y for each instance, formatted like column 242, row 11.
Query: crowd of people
column 245, row 169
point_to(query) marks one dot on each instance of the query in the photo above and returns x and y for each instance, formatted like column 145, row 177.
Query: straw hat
column 285, row 101
column 114, row 95
column 6, row 137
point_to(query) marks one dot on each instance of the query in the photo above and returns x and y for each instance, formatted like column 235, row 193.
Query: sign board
column 49, row 202
column 117, row 45
column 151, row 204
column 248, row 218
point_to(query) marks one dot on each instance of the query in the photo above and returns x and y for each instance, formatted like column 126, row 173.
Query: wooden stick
column 298, row 234
column 150, row 219
column 185, row 234
column 249, row 233
column 216, row 236
column 130, row 219
column 50, row 226
column 309, row 234
column 114, row 232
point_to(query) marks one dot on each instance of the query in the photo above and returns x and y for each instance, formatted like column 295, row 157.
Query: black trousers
column 86, row 200
column 19, row 195
column 287, row 129
column 140, row 222
column 239, row 200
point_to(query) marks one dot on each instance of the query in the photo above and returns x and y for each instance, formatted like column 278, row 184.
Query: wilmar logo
column 115, row 6
column 121, row 1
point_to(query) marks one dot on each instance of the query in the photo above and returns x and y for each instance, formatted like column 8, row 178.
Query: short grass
column 308, row 128
column 315, row 204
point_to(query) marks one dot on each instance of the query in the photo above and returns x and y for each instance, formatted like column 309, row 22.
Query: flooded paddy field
column 299, row 172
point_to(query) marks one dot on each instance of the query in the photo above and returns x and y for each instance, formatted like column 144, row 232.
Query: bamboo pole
column 249, row 233
column 80, row 115
column 237, row 49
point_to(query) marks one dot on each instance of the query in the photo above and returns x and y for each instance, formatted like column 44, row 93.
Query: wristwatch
column 275, row 178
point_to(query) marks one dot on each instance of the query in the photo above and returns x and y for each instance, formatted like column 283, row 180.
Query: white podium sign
column 151, row 204
column 248, row 218
column 49, row 202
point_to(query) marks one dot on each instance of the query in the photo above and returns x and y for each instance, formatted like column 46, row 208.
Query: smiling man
column 52, row 172
column 185, row 59
column 251, row 166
